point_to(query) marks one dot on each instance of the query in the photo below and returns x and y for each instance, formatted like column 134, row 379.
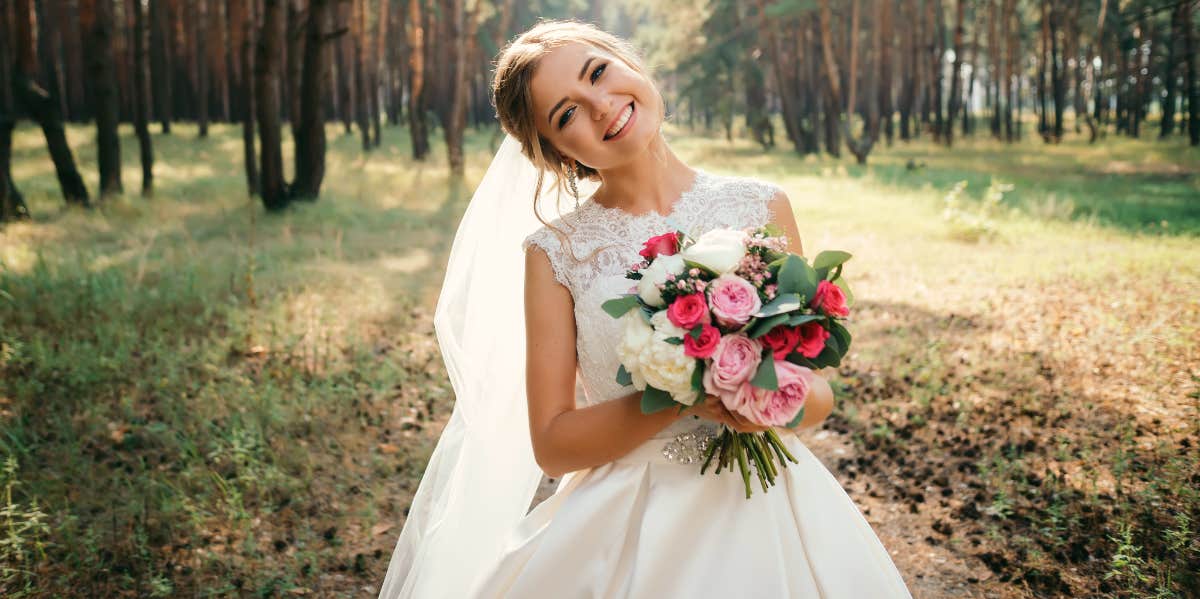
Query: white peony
column 718, row 249
column 657, row 273
column 665, row 366
column 636, row 337
column 664, row 327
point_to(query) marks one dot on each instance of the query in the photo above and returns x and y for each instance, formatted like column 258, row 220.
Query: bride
column 632, row 516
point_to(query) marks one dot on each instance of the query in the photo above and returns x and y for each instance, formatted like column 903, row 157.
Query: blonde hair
column 512, row 93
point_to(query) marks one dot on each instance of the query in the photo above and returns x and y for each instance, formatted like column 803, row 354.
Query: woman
column 632, row 516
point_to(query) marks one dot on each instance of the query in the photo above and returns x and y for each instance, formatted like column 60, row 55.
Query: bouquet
column 732, row 314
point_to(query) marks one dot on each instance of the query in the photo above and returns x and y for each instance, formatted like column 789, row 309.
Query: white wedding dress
column 649, row 525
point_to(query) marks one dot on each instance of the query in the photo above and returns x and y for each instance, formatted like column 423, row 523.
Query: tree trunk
column 42, row 107
column 293, row 59
column 418, row 130
column 1058, row 65
column 1012, row 35
column 310, row 135
column 244, row 21
column 161, row 68
column 96, row 17
column 1170, row 68
column 1190, row 84
column 860, row 147
column 267, row 83
column 955, row 74
column 200, row 64
column 141, row 98
column 12, row 204
column 886, row 104
column 909, row 77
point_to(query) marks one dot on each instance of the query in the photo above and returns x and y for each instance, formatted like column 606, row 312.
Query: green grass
column 205, row 399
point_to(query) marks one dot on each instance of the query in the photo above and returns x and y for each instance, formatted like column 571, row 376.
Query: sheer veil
column 482, row 475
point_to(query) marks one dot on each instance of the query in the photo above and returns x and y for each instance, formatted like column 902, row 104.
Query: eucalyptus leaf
column 845, row 287
column 796, row 320
column 698, row 378
column 784, row 302
column 829, row 259
column 764, row 377
column 656, row 400
column 795, row 421
column 674, row 340
column 764, row 326
column 842, row 335
column 617, row 307
column 623, row 377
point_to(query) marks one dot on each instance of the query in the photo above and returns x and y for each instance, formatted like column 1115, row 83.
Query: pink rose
column 782, row 340
column 660, row 245
column 812, row 339
column 733, row 300
column 733, row 363
column 774, row 408
column 705, row 345
column 830, row 300
column 687, row 311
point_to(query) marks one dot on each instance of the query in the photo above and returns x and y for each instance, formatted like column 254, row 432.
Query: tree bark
column 161, row 69
column 418, row 129
column 200, row 64
column 1190, row 84
column 42, row 107
column 12, row 203
column 243, row 21
column 141, row 99
column 1058, row 65
column 293, row 59
column 310, row 135
column 955, row 74
column 267, row 83
column 860, row 147
column 96, row 17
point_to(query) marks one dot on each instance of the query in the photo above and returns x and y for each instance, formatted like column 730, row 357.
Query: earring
column 571, row 184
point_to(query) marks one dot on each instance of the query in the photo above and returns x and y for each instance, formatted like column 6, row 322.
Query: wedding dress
column 649, row 525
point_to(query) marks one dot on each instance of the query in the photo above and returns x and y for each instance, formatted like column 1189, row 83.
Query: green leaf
column 772, row 230
column 784, row 302
column 623, row 377
column 831, row 355
column 764, row 377
column 695, row 332
column 845, row 287
column 674, row 340
column 797, row 419
column 698, row 378
column 827, row 261
column 796, row 320
column 617, row 307
column 656, row 400
column 842, row 335
column 796, row 276
column 764, row 326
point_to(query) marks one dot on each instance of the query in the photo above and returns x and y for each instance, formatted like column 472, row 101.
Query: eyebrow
column 550, row 117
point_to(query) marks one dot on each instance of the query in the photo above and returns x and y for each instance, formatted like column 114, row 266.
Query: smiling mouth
column 619, row 125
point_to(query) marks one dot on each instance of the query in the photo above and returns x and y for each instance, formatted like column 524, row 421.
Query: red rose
column 830, row 300
column 705, row 345
column 660, row 245
column 812, row 339
column 687, row 311
column 782, row 340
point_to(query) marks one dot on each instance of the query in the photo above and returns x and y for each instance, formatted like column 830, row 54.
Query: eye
column 566, row 115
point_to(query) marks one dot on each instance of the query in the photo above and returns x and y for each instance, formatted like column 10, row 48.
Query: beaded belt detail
column 689, row 447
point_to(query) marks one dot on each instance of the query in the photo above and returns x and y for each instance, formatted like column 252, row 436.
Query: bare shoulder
column 783, row 216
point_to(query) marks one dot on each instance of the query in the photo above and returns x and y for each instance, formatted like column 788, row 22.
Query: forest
column 224, row 224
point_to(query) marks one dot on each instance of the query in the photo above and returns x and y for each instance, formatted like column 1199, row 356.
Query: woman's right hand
column 712, row 408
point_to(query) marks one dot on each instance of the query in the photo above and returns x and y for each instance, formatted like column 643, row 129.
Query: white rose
column 657, row 273
column 718, row 249
column 636, row 337
column 664, row 327
column 666, row 367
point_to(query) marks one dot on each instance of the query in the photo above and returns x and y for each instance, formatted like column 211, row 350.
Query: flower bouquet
column 734, row 315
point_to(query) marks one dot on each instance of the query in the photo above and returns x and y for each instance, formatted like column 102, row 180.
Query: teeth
column 620, row 124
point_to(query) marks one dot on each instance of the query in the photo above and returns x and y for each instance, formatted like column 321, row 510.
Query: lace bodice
column 607, row 241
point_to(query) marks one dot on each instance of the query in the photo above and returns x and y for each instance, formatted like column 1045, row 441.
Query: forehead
column 557, row 69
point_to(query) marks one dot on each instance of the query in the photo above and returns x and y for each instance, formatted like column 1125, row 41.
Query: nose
column 601, row 109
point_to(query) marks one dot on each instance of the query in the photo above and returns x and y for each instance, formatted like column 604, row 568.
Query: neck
column 651, row 181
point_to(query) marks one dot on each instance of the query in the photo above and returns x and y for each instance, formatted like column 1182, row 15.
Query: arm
column 565, row 438
column 819, row 403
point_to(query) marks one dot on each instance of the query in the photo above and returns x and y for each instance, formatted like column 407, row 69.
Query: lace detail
column 604, row 242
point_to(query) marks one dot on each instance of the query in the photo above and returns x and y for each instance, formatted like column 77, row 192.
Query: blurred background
column 224, row 223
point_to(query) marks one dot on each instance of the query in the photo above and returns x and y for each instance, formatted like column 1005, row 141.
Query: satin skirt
column 645, row 527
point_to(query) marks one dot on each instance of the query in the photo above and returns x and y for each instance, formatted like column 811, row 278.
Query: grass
column 206, row 400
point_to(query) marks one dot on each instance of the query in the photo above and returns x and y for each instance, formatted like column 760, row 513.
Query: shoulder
column 549, row 239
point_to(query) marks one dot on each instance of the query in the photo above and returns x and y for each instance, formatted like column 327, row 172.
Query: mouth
column 620, row 124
